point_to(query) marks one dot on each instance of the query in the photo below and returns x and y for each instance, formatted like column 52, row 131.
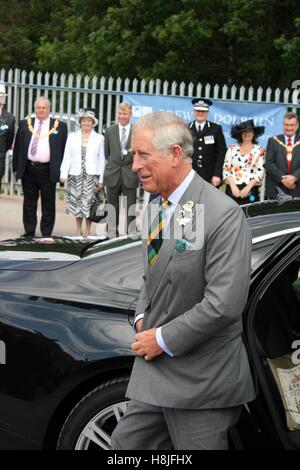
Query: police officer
column 209, row 144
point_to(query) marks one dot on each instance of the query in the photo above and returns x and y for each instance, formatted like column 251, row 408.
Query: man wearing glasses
column 209, row 144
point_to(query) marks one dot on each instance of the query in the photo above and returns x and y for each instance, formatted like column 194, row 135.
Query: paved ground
column 11, row 219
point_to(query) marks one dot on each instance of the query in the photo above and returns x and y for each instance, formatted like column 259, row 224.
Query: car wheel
column 91, row 422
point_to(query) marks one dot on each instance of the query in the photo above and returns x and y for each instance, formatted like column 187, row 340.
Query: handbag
column 98, row 212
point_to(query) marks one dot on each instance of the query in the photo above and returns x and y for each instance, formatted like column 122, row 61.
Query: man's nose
column 137, row 164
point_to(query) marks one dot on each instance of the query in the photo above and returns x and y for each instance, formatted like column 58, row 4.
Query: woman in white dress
column 83, row 169
column 243, row 169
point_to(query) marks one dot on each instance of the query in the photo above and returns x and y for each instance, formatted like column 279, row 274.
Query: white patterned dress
column 244, row 168
column 81, row 190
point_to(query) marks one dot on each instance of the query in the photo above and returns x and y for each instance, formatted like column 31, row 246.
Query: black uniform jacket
column 209, row 150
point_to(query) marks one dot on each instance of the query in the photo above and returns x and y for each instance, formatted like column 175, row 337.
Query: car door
column 272, row 336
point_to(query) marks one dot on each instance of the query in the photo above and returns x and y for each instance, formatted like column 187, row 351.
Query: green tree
column 16, row 46
column 62, row 43
column 250, row 42
column 288, row 46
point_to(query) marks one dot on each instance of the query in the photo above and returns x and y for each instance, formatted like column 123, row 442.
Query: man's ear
column 176, row 154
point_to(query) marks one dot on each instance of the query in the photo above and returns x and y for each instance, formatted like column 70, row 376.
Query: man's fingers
column 136, row 347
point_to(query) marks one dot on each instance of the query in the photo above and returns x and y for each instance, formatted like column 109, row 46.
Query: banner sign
column 225, row 113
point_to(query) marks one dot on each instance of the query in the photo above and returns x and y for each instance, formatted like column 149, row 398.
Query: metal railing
column 68, row 93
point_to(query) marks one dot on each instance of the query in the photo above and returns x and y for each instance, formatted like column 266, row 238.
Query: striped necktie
column 35, row 140
column 155, row 236
column 289, row 153
column 123, row 141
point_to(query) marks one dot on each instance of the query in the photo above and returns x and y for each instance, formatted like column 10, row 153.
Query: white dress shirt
column 128, row 127
column 43, row 149
column 200, row 126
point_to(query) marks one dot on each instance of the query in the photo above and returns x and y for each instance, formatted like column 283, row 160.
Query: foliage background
column 242, row 42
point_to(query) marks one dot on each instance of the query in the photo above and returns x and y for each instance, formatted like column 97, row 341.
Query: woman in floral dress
column 243, row 169
column 83, row 168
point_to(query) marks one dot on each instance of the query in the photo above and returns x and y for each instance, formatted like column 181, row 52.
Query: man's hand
column 145, row 344
column 62, row 180
column 216, row 181
column 289, row 181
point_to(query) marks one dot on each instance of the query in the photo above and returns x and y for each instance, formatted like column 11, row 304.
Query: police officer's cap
column 201, row 104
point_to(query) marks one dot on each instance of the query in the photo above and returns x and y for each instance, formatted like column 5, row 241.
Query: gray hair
column 290, row 115
column 168, row 130
column 125, row 105
column 42, row 98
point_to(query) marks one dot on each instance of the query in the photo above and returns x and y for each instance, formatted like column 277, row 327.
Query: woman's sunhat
column 86, row 113
column 246, row 126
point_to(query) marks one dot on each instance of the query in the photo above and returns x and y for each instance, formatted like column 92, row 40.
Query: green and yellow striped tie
column 155, row 236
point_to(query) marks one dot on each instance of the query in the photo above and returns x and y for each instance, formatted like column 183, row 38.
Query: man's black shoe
column 25, row 235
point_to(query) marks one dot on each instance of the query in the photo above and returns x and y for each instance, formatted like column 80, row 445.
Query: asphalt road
column 11, row 219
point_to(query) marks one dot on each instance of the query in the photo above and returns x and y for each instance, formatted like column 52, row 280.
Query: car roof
column 270, row 219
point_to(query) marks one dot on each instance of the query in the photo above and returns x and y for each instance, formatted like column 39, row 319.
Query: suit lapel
column 297, row 138
column 128, row 143
column 283, row 149
column 154, row 274
column 205, row 128
column 117, row 136
column 28, row 134
column 52, row 139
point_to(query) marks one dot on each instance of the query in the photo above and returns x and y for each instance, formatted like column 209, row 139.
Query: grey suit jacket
column 276, row 167
column 197, row 297
column 118, row 169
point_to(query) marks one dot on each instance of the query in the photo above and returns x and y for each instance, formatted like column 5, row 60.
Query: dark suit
column 7, row 132
column 118, row 176
column 276, row 166
column 39, row 178
column 209, row 150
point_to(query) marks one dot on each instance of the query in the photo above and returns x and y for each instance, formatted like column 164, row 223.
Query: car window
column 259, row 250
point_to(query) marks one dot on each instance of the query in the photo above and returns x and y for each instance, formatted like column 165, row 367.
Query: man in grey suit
column 118, row 176
column 191, row 373
column 283, row 160
column 7, row 130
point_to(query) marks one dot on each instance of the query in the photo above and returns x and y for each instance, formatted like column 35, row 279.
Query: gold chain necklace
column 51, row 131
column 289, row 148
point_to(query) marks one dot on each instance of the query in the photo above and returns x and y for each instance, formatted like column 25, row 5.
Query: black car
column 66, row 311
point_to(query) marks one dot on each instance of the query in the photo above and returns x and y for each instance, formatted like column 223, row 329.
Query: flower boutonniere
column 182, row 245
column 185, row 215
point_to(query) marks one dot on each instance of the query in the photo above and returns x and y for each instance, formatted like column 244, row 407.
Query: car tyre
column 93, row 419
